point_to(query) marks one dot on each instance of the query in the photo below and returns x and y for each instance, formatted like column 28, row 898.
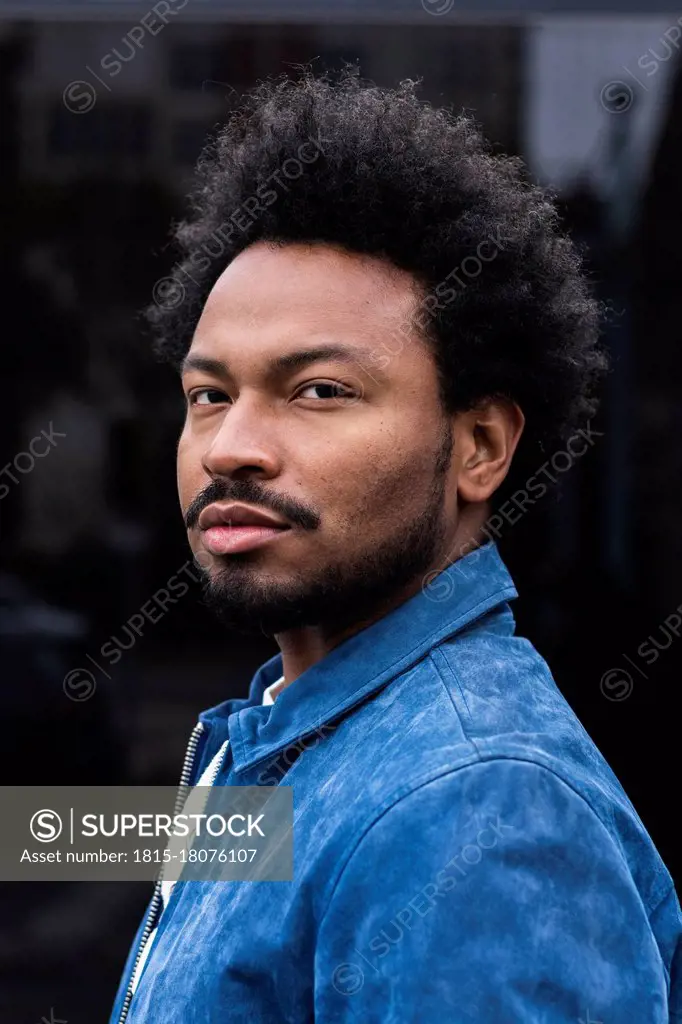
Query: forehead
column 270, row 293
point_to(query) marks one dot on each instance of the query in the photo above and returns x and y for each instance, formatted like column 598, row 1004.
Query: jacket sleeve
column 492, row 894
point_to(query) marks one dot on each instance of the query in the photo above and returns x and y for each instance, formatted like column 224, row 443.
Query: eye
column 334, row 389
column 206, row 396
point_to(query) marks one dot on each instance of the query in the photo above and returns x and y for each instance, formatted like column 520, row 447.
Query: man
column 382, row 331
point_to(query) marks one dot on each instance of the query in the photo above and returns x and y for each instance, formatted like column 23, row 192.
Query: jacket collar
column 366, row 661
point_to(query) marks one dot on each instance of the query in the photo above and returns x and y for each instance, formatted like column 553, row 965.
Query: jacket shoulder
column 489, row 697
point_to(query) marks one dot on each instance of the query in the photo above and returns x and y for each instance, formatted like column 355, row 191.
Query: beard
column 341, row 594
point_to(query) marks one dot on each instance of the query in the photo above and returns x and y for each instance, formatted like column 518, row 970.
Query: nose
column 244, row 444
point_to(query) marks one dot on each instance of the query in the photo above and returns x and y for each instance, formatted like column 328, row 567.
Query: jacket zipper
column 185, row 776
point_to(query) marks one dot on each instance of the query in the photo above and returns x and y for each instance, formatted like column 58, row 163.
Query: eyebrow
column 290, row 361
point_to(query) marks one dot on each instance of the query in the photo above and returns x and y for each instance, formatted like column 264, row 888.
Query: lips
column 235, row 514
column 233, row 528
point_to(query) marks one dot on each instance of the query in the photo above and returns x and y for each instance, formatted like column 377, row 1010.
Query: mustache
column 247, row 491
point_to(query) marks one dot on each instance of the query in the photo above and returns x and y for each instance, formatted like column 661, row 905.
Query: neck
column 301, row 648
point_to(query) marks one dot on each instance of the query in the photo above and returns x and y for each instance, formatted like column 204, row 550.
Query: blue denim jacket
column 462, row 851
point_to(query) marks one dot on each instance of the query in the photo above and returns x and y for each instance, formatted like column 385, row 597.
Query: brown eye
column 333, row 389
column 207, row 396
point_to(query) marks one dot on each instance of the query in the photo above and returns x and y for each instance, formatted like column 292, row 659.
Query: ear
column 486, row 439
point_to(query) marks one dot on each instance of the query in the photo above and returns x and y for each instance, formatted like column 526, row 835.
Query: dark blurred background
column 103, row 109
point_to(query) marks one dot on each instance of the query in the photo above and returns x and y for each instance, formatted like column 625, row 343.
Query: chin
column 249, row 600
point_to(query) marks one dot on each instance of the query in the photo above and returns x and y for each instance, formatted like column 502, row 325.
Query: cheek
column 374, row 487
column 190, row 473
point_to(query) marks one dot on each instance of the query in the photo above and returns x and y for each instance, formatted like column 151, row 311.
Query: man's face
column 351, row 451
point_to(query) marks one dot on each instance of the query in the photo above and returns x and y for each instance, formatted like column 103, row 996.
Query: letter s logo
column 45, row 826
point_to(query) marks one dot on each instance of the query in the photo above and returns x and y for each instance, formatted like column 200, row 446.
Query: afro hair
column 506, row 302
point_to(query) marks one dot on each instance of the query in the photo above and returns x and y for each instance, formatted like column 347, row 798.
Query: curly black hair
column 378, row 171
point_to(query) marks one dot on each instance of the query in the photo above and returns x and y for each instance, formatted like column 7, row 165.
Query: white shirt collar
column 272, row 690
